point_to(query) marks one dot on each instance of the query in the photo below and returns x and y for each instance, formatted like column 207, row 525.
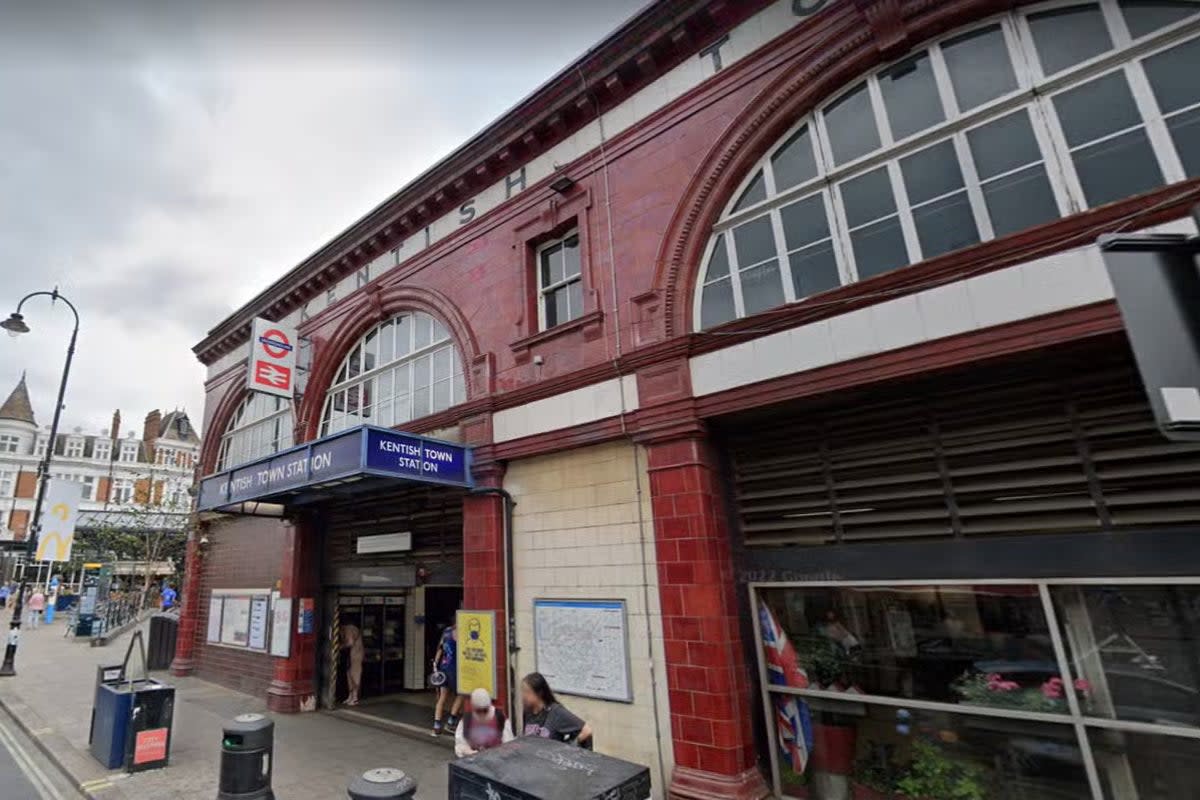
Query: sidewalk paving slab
column 316, row 754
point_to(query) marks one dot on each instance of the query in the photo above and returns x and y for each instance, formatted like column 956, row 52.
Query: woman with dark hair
column 549, row 719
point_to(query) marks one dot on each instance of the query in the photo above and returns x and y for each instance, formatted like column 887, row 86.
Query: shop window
column 9, row 443
column 986, row 133
column 262, row 425
column 968, row 690
column 560, row 281
column 406, row 368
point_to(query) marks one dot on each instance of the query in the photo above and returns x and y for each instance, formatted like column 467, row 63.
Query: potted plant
column 829, row 666
column 933, row 775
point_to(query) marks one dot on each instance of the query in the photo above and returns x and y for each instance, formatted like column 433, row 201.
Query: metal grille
column 1064, row 445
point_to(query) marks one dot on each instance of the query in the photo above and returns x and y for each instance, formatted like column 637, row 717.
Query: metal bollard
column 383, row 783
column 247, row 752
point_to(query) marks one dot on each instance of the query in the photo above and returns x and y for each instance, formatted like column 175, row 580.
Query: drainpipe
column 509, row 599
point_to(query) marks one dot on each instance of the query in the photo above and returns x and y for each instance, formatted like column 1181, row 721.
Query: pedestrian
column 445, row 661
column 37, row 604
column 548, row 718
column 352, row 643
column 168, row 597
column 482, row 729
column 4, row 592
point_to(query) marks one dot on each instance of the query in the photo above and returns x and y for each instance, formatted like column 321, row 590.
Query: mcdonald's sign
column 58, row 520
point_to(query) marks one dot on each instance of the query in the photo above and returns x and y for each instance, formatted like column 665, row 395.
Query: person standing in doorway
column 547, row 718
column 37, row 604
column 483, row 728
column 352, row 643
column 445, row 661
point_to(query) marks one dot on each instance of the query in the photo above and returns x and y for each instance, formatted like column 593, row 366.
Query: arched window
column 1014, row 122
column 261, row 426
column 404, row 369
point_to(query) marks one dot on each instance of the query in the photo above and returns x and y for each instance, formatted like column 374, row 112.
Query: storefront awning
column 343, row 463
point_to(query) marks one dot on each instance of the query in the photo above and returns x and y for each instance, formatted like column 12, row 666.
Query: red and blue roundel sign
column 272, row 359
column 276, row 343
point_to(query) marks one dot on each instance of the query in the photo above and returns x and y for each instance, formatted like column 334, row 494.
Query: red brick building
column 784, row 327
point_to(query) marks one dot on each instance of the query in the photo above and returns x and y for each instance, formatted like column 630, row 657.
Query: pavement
column 316, row 754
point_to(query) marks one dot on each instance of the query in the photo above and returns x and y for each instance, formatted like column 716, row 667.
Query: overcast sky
column 163, row 161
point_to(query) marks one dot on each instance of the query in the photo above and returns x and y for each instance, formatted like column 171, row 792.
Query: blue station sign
column 339, row 459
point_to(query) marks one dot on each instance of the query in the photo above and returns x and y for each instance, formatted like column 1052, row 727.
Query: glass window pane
column 557, row 309
column 1117, row 168
column 552, row 265
column 1146, row 16
column 575, row 298
column 851, row 125
column 1020, row 200
column 385, row 385
column 354, row 362
column 440, row 334
column 1077, row 109
column 762, row 288
column 756, row 192
column 878, row 248
column 1134, row 650
column 460, row 388
column 980, row 67
column 442, row 363
column 441, row 395
column 716, row 304
column 1067, row 36
column 387, row 343
column 385, row 414
column 948, row 644
column 754, row 242
column 910, row 96
column 804, row 222
column 403, row 335
column 403, row 409
column 422, row 330
column 718, row 262
column 1185, row 131
column 794, row 162
column 571, row 256
column 420, row 376
column 865, row 751
column 945, row 225
column 1175, row 76
column 420, row 403
column 1003, row 145
column 403, row 377
column 931, row 172
column 1144, row 765
column 814, row 269
column 371, row 351
column 868, row 197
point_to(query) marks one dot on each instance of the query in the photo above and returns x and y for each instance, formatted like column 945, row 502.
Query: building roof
column 177, row 426
column 17, row 406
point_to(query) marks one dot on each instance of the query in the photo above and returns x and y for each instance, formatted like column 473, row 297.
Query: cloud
column 162, row 162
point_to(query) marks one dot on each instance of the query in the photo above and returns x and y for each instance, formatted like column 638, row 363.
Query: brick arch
column 834, row 50
column 226, row 408
column 375, row 305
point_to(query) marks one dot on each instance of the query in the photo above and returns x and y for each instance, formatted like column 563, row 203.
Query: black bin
column 247, row 756
column 148, row 742
column 161, row 651
column 541, row 769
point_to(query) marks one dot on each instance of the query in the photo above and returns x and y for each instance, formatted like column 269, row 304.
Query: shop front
column 984, row 584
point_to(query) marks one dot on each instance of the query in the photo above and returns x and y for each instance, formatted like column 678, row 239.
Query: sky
column 162, row 162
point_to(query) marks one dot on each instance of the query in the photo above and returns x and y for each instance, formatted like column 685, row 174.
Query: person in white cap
column 483, row 728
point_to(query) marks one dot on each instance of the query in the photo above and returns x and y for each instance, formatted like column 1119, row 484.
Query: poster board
column 281, row 625
column 258, row 622
column 476, row 631
column 214, row 619
column 235, row 620
column 582, row 647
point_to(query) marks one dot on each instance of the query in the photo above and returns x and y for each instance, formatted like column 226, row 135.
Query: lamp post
column 15, row 325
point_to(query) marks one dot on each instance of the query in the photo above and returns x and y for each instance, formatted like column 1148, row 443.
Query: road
column 25, row 773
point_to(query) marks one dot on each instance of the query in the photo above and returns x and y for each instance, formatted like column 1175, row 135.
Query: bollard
column 384, row 783
column 247, row 750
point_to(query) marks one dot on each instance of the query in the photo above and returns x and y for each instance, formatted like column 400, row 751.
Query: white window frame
column 349, row 380
column 1034, row 93
column 545, row 290
column 1074, row 717
column 102, row 450
column 8, row 482
column 256, row 430
column 39, row 447
column 10, row 443
column 73, row 448
column 128, row 453
column 122, row 491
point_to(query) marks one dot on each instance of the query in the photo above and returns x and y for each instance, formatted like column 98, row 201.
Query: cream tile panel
column 598, row 401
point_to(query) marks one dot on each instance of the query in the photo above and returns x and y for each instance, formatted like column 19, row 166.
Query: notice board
column 582, row 647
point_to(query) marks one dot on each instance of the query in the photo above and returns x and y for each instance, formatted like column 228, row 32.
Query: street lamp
column 15, row 325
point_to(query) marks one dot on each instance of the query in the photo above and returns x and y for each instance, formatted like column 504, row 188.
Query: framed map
column 582, row 647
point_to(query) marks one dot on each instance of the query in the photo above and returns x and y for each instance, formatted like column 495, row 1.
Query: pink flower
column 995, row 677
column 1004, row 686
column 1083, row 685
column 1053, row 689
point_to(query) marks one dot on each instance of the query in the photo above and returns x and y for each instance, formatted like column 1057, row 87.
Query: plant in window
column 995, row 690
column 933, row 775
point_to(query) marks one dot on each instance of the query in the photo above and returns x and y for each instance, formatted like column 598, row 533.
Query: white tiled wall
column 591, row 403
column 576, row 535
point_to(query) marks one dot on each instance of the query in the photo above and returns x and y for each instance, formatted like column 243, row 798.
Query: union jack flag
column 792, row 720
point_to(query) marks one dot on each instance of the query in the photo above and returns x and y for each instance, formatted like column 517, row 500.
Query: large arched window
column 1010, row 123
column 404, row 369
column 261, row 426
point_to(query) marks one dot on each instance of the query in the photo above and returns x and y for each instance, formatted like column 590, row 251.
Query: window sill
column 589, row 326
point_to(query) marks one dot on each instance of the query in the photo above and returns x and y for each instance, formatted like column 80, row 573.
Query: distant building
column 118, row 473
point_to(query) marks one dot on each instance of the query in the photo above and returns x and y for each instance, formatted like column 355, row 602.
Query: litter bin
column 247, row 756
column 131, row 719
column 161, row 650
column 532, row 768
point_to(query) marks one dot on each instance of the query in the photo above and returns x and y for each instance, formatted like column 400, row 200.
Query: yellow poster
column 58, row 521
column 476, row 632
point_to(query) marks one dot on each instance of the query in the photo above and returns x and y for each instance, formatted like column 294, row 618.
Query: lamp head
column 15, row 325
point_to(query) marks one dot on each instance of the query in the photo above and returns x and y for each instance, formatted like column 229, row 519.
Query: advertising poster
column 476, row 651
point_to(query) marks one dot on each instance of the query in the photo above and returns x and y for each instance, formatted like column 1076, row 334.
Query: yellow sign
column 58, row 524
column 476, row 633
